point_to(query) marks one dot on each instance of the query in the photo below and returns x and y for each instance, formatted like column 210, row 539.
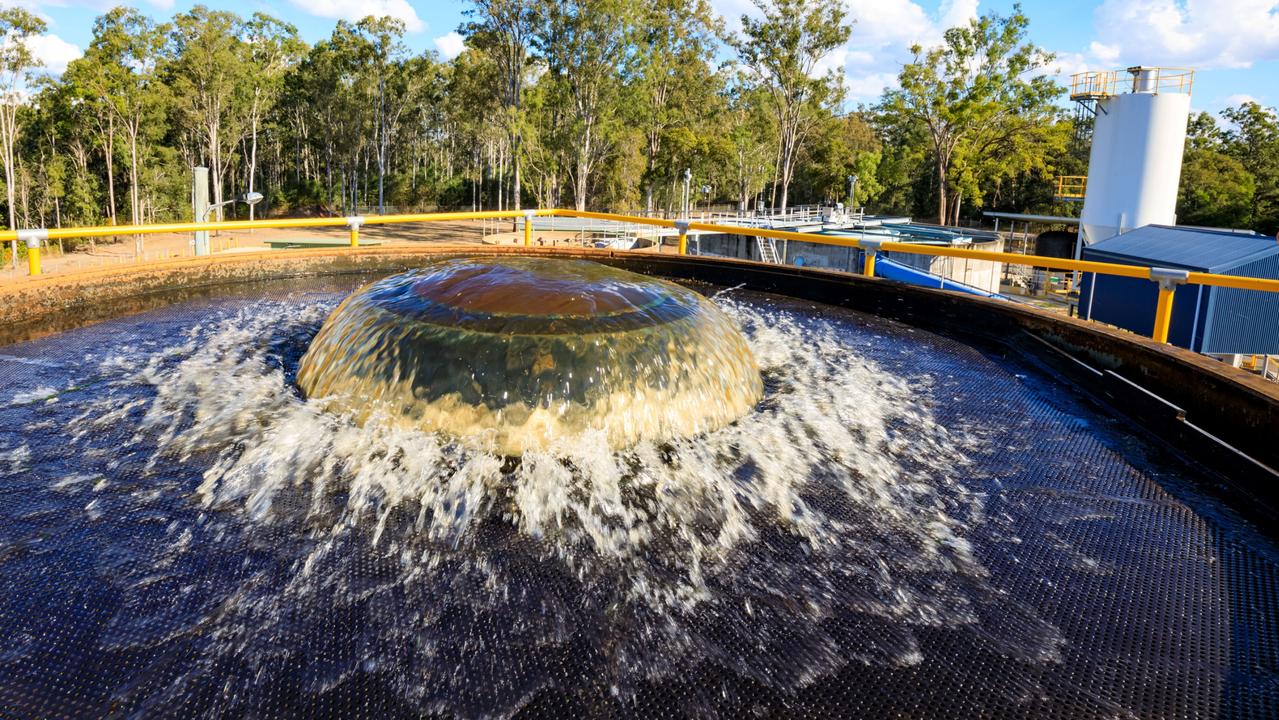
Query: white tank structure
column 1139, row 135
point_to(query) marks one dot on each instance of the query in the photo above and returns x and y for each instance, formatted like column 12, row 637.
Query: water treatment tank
column 1139, row 133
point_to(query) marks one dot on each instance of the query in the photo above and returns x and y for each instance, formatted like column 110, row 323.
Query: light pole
column 852, row 193
column 248, row 198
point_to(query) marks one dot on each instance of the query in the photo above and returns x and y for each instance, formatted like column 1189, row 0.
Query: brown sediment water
column 523, row 351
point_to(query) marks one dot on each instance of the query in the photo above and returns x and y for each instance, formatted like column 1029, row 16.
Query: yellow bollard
column 528, row 229
column 354, row 223
column 682, row 226
column 1168, row 280
column 33, row 239
column 871, row 248
column 1163, row 314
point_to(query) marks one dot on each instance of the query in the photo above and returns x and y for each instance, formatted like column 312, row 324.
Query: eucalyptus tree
column 124, row 53
column 505, row 30
column 673, row 86
column 982, row 99
column 17, row 64
column 269, row 49
column 87, row 84
column 471, row 112
column 209, row 81
column 750, row 159
column 586, row 47
column 65, row 122
column 841, row 146
column 381, row 54
column 782, row 50
column 1253, row 140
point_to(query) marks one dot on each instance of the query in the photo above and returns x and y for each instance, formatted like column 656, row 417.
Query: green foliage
column 983, row 102
column 595, row 103
column 1253, row 140
column 781, row 51
column 1216, row 190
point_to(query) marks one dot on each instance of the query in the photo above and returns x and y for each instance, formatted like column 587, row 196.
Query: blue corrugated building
column 1204, row 319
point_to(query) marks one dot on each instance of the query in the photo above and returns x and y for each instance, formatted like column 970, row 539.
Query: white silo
column 1139, row 134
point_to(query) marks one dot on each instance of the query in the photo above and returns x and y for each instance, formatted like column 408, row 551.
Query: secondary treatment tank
column 1139, row 135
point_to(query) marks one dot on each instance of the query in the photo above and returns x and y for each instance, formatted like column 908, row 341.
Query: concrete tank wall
column 1135, row 166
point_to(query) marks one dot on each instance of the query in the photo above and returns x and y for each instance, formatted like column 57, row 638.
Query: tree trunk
column 253, row 147
column 941, row 190
column 135, row 207
column 109, row 156
column 381, row 149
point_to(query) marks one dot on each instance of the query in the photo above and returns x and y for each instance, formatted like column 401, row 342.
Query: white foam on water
column 37, row 394
column 840, row 493
column 15, row 460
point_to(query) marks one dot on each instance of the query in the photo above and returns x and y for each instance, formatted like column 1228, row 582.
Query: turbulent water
column 827, row 526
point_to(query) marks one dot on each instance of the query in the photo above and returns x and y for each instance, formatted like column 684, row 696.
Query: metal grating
column 1157, row 601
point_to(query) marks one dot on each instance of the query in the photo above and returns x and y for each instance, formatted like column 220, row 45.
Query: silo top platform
column 1097, row 84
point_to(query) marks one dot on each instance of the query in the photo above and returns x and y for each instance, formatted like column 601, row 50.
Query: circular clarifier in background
column 521, row 351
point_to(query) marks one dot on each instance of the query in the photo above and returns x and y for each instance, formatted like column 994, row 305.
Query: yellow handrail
column 105, row 230
column 1097, row 84
column 1163, row 310
column 1072, row 187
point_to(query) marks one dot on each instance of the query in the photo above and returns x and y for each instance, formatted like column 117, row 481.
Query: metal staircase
column 768, row 250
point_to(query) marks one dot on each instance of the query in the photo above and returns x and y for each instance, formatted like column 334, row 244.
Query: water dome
column 520, row 351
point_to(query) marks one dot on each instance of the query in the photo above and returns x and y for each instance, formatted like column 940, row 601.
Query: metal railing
column 1071, row 187
column 1097, row 84
column 1168, row 279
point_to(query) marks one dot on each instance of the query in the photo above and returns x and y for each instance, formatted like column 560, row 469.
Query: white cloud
column 1067, row 63
column 54, row 52
column 957, row 12
column 357, row 9
column 1205, row 34
column 884, row 31
column 836, row 60
column 450, row 45
column 1239, row 99
column 1106, row 54
column 868, row 87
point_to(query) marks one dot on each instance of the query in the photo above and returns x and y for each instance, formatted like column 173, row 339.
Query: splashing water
column 835, row 497
column 525, row 351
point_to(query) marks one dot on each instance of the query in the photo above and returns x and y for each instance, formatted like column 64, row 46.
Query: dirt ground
column 172, row 245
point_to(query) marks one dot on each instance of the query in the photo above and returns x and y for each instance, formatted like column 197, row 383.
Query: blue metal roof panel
column 1198, row 249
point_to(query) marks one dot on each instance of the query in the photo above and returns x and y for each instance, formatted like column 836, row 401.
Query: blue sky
column 1234, row 44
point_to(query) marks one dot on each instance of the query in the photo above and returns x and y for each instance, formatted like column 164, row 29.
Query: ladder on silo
column 768, row 250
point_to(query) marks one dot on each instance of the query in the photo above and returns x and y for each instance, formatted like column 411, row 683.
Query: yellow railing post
column 33, row 239
column 354, row 222
column 871, row 249
column 528, row 227
column 1168, row 279
column 682, row 226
